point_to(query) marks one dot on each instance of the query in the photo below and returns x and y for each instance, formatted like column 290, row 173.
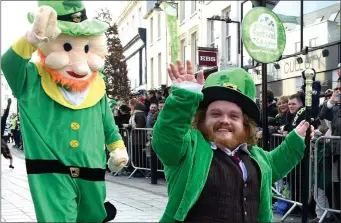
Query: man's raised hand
column 179, row 74
column 301, row 129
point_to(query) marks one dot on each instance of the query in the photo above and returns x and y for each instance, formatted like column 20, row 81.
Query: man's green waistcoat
column 187, row 157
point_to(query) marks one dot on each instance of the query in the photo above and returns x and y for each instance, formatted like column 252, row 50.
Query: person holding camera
column 331, row 111
column 4, row 147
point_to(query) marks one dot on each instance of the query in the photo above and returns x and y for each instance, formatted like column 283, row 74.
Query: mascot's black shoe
column 10, row 166
column 111, row 211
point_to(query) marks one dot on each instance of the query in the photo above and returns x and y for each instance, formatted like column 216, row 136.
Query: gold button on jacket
column 74, row 143
column 75, row 125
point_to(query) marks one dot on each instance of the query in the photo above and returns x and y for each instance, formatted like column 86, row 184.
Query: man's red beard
column 70, row 84
column 238, row 137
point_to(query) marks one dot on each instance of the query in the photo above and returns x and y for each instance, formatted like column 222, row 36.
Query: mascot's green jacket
column 187, row 156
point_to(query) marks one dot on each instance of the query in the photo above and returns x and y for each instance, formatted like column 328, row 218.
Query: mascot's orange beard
column 70, row 84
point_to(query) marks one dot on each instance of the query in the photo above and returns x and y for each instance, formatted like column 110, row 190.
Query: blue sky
column 293, row 7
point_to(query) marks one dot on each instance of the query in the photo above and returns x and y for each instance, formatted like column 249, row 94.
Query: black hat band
column 76, row 17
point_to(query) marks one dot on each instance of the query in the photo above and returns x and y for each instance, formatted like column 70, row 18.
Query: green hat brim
column 89, row 27
column 217, row 93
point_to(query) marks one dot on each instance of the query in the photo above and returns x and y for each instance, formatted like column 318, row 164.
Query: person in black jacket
column 123, row 116
column 4, row 147
column 138, row 136
column 331, row 111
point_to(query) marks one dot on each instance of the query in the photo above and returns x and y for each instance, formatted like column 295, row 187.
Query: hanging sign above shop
column 207, row 57
column 263, row 35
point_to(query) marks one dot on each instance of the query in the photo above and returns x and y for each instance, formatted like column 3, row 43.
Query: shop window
column 151, row 30
column 182, row 11
column 194, row 50
column 297, row 47
column 227, row 44
column 318, row 20
column 152, row 72
column 159, row 70
column 332, row 17
column 183, row 52
column 194, row 6
column 313, row 42
column 211, row 33
column 159, row 25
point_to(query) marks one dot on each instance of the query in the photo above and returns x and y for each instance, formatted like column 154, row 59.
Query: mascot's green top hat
column 234, row 85
column 72, row 19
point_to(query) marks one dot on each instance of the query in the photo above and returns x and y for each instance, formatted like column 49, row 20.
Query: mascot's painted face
column 73, row 61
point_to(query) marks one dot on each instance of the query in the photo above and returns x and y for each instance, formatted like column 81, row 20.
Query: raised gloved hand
column 44, row 27
column 118, row 159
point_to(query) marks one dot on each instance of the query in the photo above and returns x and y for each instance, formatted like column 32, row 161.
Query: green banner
column 171, row 17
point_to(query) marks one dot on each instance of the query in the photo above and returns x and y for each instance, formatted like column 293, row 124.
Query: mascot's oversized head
column 74, row 58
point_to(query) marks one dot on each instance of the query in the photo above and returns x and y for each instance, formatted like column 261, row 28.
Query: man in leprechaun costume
column 65, row 117
column 214, row 170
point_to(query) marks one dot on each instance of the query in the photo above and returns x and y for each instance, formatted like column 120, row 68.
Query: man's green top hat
column 72, row 19
column 234, row 85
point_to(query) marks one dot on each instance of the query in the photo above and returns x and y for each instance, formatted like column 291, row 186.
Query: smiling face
column 74, row 61
column 294, row 105
column 225, row 124
column 282, row 105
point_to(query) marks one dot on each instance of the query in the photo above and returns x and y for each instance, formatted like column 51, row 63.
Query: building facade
column 316, row 45
column 158, row 48
column 217, row 44
column 198, row 39
column 132, row 32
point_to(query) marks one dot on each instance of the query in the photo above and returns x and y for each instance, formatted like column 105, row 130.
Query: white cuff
column 330, row 104
column 190, row 86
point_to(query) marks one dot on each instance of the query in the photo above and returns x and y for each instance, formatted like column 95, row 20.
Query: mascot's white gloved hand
column 118, row 159
column 44, row 27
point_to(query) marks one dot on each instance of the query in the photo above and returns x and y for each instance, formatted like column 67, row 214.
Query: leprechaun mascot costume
column 65, row 117
column 206, row 138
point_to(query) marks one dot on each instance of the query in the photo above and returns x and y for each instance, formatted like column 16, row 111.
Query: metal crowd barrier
column 138, row 142
column 327, row 167
column 292, row 181
column 324, row 154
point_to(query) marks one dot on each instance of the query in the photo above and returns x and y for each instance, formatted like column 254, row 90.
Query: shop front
column 315, row 44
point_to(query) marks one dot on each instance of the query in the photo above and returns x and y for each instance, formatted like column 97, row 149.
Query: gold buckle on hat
column 76, row 17
column 230, row 86
column 74, row 172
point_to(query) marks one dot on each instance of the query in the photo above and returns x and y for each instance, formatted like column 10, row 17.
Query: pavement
column 136, row 199
column 133, row 204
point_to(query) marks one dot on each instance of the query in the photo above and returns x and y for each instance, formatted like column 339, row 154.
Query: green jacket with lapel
column 187, row 157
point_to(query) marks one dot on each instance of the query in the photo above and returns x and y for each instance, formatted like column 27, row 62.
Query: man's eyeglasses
column 338, row 88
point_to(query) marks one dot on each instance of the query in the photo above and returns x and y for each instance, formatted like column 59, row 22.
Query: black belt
column 55, row 166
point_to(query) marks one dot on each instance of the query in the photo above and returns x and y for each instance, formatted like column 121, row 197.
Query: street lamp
column 227, row 20
column 157, row 7
column 174, row 5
